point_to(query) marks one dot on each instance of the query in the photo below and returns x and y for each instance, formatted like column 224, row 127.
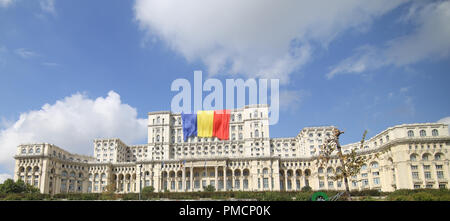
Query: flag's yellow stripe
column 205, row 121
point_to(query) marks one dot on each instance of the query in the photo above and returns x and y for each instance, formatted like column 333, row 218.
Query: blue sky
column 356, row 65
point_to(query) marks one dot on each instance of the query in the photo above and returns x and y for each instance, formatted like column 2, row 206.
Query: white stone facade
column 250, row 161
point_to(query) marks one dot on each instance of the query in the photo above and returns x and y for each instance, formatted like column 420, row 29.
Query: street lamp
column 140, row 181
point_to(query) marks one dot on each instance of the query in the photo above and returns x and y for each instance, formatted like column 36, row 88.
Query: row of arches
column 426, row 156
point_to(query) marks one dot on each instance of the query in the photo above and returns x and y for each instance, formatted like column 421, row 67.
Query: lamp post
column 140, row 181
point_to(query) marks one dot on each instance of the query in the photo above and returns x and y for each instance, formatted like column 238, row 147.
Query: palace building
column 417, row 157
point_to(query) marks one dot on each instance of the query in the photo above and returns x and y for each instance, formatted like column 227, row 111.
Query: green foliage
column 306, row 189
column 276, row 196
column 420, row 195
column 131, row 196
column 9, row 186
column 365, row 195
column 303, row 196
column 209, row 188
column 148, row 189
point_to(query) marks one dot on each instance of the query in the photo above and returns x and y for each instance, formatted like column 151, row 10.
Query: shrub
column 276, row 196
column 423, row 196
column 209, row 188
column 303, row 196
column 306, row 189
column 131, row 196
column 148, row 189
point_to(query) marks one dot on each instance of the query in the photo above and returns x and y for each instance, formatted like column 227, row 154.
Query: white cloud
column 290, row 100
column 50, row 64
column 429, row 41
column 5, row 3
column 259, row 38
column 48, row 6
column 4, row 176
column 72, row 123
column 25, row 53
column 445, row 120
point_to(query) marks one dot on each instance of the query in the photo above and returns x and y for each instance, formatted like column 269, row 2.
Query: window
column 330, row 184
column 376, row 180
column 438, row 156
column 440, row 174
column 427, row 175
column 423, row 133
column 410, row 133
column 321, row 184
column 364, row 167
column 375, row 165
column 434, row 132
column 415, row 175
column 425, row 157
column 413, row 157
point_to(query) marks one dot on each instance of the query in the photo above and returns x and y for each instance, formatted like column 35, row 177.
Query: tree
column 209, row 188
column 350, row 163
column 148, row 189
column 9, row 186
column 306, row 189
column 110, row 188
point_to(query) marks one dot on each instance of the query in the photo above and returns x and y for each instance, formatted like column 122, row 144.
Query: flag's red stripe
column 221, row 124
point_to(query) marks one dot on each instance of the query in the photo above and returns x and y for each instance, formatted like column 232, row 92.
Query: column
column 224, row 178
column 216, row 181
column 294, row 184
column 285, row 180
column 183, row 182
column 191, row 179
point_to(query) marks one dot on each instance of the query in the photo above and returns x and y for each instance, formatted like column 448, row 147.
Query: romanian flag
column 208, row 124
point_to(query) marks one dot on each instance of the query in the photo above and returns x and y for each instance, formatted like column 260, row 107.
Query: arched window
column 364, row 167
column 423, row 133
column 24, row 150
column 30, row 150
column 158, row 119
column 157, row 138
column 410, row 133
column 330, row 170
column 239, row 117
column 64, row 173
column 256, row 133
column 438, row 156
column 426, row 156
column 435, row 133
column 374, row 165
column 320, row 170
column 38, row 150
column 413, row 157
column 232, row 117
